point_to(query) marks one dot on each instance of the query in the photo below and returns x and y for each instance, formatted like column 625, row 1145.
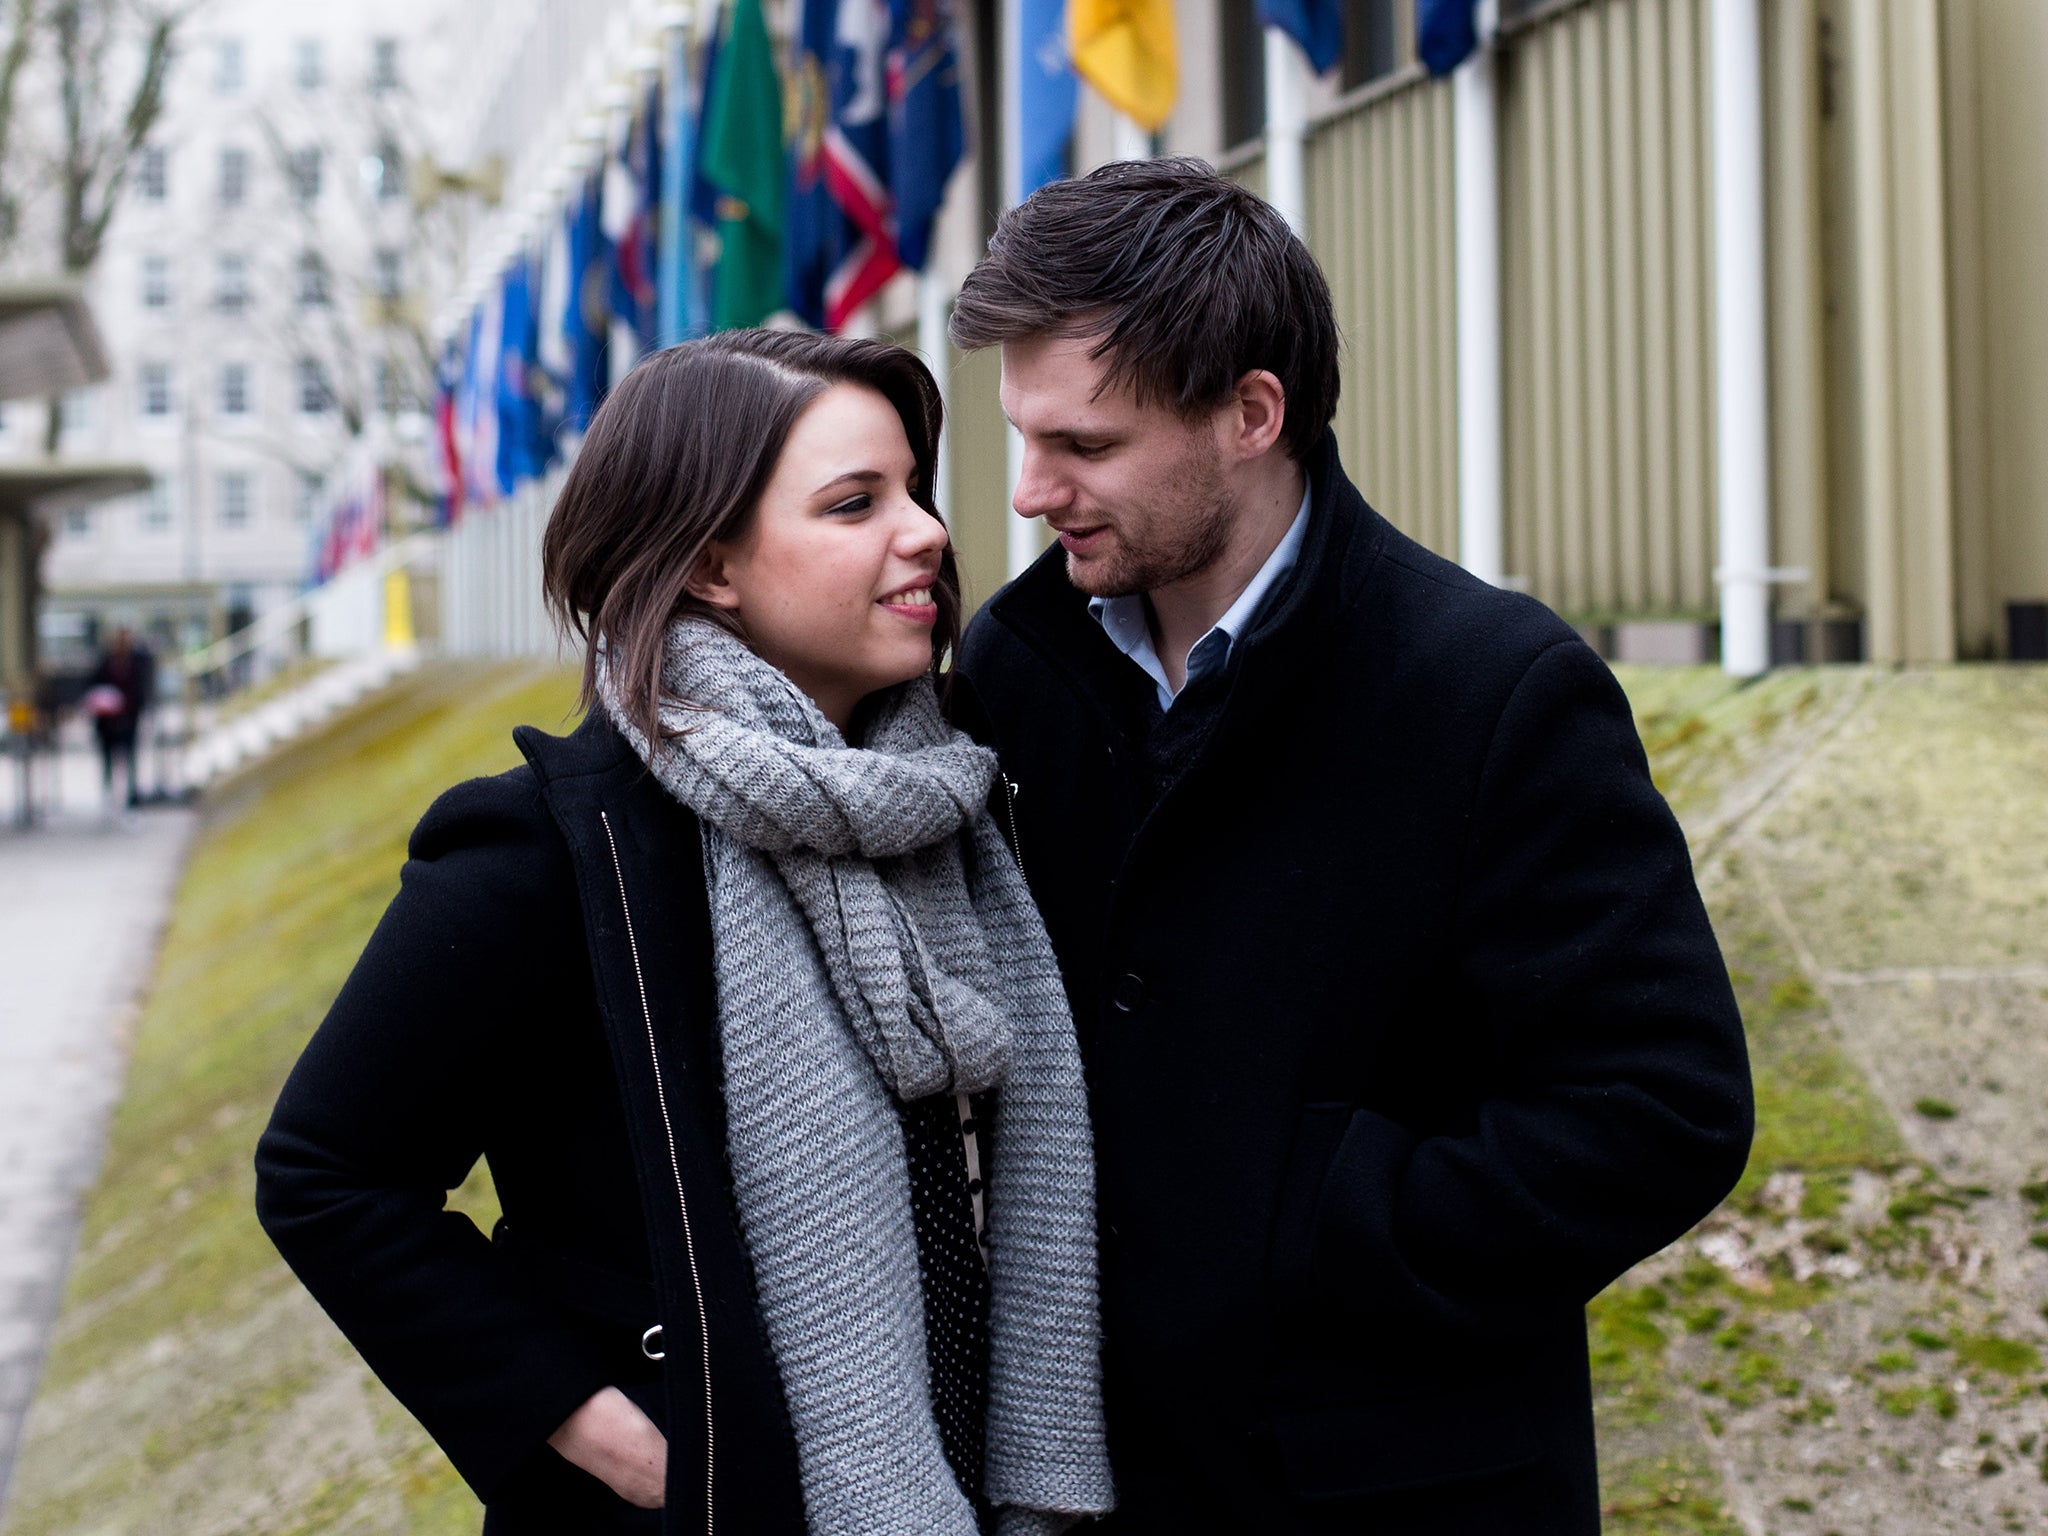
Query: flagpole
column 1130, row 139
column 1286, row 130
column 932, row 303
column 1475, row 178
column 1020, row 542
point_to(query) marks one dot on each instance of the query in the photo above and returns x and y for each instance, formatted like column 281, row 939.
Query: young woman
column 743, row 998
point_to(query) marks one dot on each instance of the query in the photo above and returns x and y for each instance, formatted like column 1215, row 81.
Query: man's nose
column 1037, row 492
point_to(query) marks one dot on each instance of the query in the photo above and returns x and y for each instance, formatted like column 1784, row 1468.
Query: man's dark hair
column 1190, row 281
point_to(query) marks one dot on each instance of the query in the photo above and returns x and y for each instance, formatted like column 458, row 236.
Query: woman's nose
column 919, row 532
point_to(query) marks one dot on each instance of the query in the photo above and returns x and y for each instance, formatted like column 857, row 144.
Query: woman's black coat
column 539, row 993
column 1405, row 1031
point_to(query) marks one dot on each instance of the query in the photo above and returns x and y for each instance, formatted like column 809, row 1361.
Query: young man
column 1405, row 1028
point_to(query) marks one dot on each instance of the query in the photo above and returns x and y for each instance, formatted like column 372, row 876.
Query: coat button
column 1129, row 996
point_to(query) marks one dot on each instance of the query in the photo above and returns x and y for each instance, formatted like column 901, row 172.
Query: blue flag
column 1045, row 94
column 523, row 449
column 586, row 313
column 634, row 296
column 927, row 135
column 839, row 239
column 1446, row 32
column 682, row 309
column 1317, row 25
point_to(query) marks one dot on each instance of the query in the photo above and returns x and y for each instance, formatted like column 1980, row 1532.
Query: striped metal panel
column 1607, row 267
column 1379, row 216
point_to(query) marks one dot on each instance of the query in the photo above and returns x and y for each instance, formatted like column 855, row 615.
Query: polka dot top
column 943, row 1137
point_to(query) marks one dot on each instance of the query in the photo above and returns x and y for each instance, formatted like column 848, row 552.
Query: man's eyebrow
column 1069, row 434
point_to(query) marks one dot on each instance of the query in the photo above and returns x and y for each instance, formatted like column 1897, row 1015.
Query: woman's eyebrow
column 855, row 476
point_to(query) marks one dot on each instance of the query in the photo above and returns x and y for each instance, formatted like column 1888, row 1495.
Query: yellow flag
column 1125, row 49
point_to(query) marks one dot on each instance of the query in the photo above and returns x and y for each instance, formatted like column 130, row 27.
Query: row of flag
column 748, row 186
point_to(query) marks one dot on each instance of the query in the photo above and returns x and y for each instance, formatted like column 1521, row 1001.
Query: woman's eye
column 852, row 504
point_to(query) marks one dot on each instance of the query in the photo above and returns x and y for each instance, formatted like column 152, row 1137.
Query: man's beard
column 1137, row 566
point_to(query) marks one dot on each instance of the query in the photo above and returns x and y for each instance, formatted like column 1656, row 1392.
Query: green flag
column 743, row 160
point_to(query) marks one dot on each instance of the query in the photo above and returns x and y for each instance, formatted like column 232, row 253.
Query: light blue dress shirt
column 1124, row 620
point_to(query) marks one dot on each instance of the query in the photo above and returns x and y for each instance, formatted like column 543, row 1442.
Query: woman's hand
column 611, row 1439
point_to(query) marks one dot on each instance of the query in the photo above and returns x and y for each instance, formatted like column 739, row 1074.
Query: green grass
column 296, row 860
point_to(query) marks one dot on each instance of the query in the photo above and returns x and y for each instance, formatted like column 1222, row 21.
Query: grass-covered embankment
column 192, row 1387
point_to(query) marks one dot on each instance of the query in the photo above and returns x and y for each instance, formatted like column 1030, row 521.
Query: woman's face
column 832, row 581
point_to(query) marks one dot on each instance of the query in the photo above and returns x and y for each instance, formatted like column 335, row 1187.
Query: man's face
column 1137, row 494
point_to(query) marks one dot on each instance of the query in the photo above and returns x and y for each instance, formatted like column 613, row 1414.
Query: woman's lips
column 914, row 603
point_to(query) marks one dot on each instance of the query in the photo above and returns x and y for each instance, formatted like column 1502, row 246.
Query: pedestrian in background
column 117, row 695
column 741, row 993
column 1405, row 1028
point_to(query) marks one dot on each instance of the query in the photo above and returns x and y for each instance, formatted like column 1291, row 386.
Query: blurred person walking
column 740, row 993
column 117, row 695
column 1405, row 1028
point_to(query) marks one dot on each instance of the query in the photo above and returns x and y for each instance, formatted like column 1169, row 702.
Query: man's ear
column 710, row 580
column 1259, row 415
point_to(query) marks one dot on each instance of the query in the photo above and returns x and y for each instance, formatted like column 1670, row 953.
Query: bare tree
column 21, row 32
column 103, row 118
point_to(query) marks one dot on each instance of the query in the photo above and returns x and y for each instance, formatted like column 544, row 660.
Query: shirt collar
column 1125, row 621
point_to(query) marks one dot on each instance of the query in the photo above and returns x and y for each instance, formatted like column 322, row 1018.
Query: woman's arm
column 478, row 957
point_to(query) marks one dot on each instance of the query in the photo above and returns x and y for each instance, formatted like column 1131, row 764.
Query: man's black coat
column 1405, row 1028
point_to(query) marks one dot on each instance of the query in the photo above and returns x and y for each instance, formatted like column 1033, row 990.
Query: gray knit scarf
column 873, row 936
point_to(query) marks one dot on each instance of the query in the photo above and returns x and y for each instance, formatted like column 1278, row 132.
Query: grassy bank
column 191, row 1386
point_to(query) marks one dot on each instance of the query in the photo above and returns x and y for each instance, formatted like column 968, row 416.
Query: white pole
column 1286, row 129
column 1129, row 139
column 932, row 300
column 1476, row 206
column 1020, row 537
column 1741, row 369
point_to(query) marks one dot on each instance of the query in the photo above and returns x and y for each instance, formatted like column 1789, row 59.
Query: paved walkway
column 82, row 898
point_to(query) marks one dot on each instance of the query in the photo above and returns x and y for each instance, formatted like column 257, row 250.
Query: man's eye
column 1091, row 450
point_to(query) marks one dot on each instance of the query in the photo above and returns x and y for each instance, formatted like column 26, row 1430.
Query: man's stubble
column 1154, row 551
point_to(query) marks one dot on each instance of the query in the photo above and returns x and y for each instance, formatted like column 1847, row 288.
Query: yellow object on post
column 1126, row 50
column 398, row 635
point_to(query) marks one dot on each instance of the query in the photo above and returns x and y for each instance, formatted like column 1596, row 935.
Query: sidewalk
column 81, row 901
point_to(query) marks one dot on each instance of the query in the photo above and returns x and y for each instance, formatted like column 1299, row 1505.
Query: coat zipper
column 1010, row 810
column 675, row 1167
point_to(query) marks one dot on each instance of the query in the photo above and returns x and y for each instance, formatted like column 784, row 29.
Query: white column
column 1020, row 538
column 1741, row 368
column 932, row 298
column 1130, row 140
column 1476, row 203
column 1286, row 129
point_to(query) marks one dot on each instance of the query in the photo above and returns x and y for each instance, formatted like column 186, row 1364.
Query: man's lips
column 1079, row 541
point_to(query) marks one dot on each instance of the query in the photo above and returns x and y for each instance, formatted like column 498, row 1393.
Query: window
column 234, row 389
column 310, row 487
column 152, row 174
column 304, row 168
column 384, row 172
column 306, row 63
column 155, row 380
column 1370, row 42
column 78, row 522
column 231, row 285
column 384, row 64
column 156, row 508
column 74, row 412
column 234, row 177
column 1243, row 52
column 314, row 395
column 390, row 275
column 156, row 282
column 390, row 397
column 234, row 498
column 310, row 285
column 227, row 66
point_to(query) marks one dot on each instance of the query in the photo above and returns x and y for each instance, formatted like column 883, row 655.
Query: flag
column 679, row 285
column 742, row 158
column 1446, row 31
column 1316, row 25
column 521, row 454
column 927, row 135
column 447, row 380
column 1046, row 89
column 480, row 462
column 552, row 361
column 633, row 188
column 1126, row 50
column 841, row 220
column 585, row 319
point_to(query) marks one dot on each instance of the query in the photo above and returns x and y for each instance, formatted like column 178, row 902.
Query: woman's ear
column 710, row 580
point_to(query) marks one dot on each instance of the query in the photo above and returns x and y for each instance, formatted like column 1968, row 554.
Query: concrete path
column 82, row 898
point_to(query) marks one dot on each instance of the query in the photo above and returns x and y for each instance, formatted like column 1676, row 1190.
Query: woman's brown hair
column 676, row 457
